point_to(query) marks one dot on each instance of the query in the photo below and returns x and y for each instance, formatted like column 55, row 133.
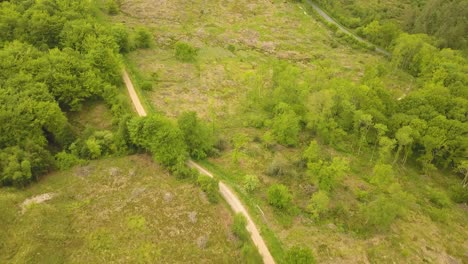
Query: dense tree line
column 381, row 22
column 53, row 57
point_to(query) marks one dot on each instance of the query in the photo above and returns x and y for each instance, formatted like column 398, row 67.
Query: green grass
column 138, row 214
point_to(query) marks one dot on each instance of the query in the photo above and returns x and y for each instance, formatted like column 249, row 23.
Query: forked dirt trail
column 227, row 194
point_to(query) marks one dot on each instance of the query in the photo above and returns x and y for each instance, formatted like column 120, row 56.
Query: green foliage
column 318, row 204
column 328, row 175
column 249, row 251
column 312, row 153
column 299, row 255
column 383, row 176
column 379, row 214
column 250, row 183
column 444, row 20
column 185, row 52
column 143, row 38
column 382, row 34
column 122, row 37
column 279, row 196
column 65, row 160
column 54, row 56
column 209, row 186
column 161, row 137
column 285, row 126
column 197, row 135
column 238, row 227
column 112, row 7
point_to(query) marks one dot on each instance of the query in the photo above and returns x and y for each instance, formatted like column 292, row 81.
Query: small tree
column 312, row 153
column 197, row 135
column 285, row 126
column 279, row 196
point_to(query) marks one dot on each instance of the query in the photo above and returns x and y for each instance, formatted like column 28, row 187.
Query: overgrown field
column 119, row 210
column 340, row 127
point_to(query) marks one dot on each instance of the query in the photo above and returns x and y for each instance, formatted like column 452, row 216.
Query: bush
column 279, row 196
column 286, row 125
column 143, row 38
column 318, row 204
column 159, row 135
column 197, row 135
column 379, row 214
column 65, row 160
column 299, row 255
column 251, row 183
column 112, row 7
column 147, row 86
column 209, row 186
column 184, row 52
column 238, row 227
column 120, row 34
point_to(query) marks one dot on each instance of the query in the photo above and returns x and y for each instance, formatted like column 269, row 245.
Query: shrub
column 143, row 38
column 299, row 255
column 318, row 204
column 197, row 135
column 329, row 176
column 383, row 175
column 209, row 186
column 286, row 125
column 147, row 86
column 279, row 196
column 65, row 160
column 112, row 7
column 184, row 52
column 251, row 183
column 120, row 34
column 379, row 214
column 238, row 227
column 160, row 136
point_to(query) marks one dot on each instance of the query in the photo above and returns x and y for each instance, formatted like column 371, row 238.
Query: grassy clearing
column 94, row 115
column 115, row 210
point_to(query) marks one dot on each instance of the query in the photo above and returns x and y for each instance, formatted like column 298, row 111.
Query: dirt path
column 133, row 95
column 342, row 28
column 227, row 194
